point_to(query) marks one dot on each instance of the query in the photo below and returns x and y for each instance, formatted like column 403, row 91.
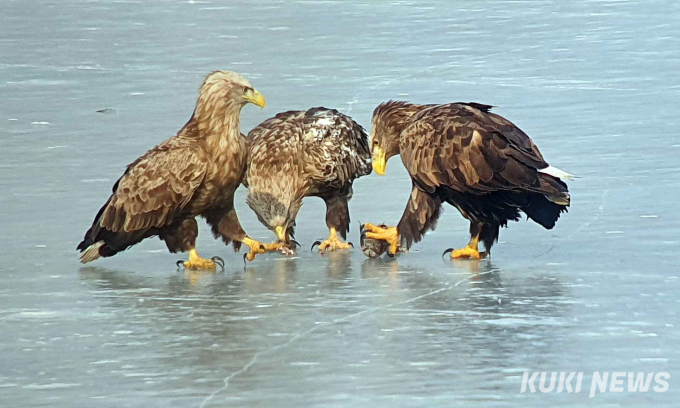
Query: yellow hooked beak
column 254, row 97
column 379, row 162
column 281, row 233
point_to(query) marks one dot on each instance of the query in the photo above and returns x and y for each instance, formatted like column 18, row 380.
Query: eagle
column 473, row 159
column 192, row 173
column 316, row 152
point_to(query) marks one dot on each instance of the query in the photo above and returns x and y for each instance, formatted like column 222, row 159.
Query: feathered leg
column 337, row 220
column 224, row 223
column 182, row 238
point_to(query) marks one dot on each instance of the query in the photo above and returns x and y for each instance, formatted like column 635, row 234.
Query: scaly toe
column 372, row 228
column 466, row 253
column 332, row 245
column 198, row 264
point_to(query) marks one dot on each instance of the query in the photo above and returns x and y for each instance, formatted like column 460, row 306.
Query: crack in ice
column 299, row 335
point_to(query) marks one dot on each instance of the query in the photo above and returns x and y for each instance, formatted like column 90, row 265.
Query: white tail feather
column 555, row 172
column 91, row 253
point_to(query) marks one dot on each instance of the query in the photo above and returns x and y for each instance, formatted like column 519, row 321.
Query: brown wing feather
column 470, row 150
column 314, row 149
column 154, row 189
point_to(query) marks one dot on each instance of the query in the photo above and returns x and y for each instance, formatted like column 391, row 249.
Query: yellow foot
column 332, row 243
column 387, row 234
column 195, row 262
column 279, row 246
column 256, row 247
column 466, row 253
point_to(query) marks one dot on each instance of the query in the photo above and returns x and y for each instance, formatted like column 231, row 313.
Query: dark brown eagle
column 193, row 173
column 318, row 152
column 471, row 158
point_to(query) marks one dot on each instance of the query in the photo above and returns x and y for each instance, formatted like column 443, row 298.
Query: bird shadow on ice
column 329, row 271
column 469, row 269
column 278, row 276
column 480, row 313
column 175, row 283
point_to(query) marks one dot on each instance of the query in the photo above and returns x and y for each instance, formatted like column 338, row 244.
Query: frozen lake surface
column 595, row 84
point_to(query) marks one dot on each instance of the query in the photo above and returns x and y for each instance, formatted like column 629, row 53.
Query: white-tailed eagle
column 194, row 173
column 318, row 152
column 467, row 156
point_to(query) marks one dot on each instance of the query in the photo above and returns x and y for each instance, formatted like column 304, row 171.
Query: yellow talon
column 195, row 262
column 471, row 251
column 467, row 252
column 256, row 247
column 332, row 243
column 274, row 246
column 388, row 234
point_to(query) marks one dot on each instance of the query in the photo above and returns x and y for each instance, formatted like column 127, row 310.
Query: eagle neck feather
column 393, row 117
column 218, row 123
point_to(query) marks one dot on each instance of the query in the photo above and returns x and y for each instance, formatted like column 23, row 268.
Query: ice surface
column 594, row 83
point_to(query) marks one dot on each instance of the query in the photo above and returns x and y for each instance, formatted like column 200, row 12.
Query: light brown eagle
column 193, row 173
column 467, row 156
column 318, row 152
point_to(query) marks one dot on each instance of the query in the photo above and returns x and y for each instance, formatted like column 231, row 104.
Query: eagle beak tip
column 256, row 98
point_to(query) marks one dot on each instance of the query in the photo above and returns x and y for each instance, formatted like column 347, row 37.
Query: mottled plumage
column 193, row 173
column 471, row 158
column 317, row 152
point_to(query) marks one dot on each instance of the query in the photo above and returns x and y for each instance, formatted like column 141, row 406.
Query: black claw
column 178, row 263
column 447, row 251
column 244, row 259
column 314, row 244
column 296, row 243
column 351, row 244
column 218, row 261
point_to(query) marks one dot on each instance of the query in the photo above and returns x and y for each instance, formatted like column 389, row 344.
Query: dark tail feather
column 100, row 242
column 86, row 242
column 543, row 211
column 91, row 233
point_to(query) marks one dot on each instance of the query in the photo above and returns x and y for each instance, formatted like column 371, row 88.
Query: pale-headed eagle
column 193, row 173
column 471, row 158
column 318, row 152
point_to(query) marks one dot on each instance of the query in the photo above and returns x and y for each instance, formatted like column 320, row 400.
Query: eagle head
column 227, row 89
column 276, row 213
column 389, row 119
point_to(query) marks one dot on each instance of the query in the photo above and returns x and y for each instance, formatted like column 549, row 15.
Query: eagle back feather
column 305, row 152
column 470, row 149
